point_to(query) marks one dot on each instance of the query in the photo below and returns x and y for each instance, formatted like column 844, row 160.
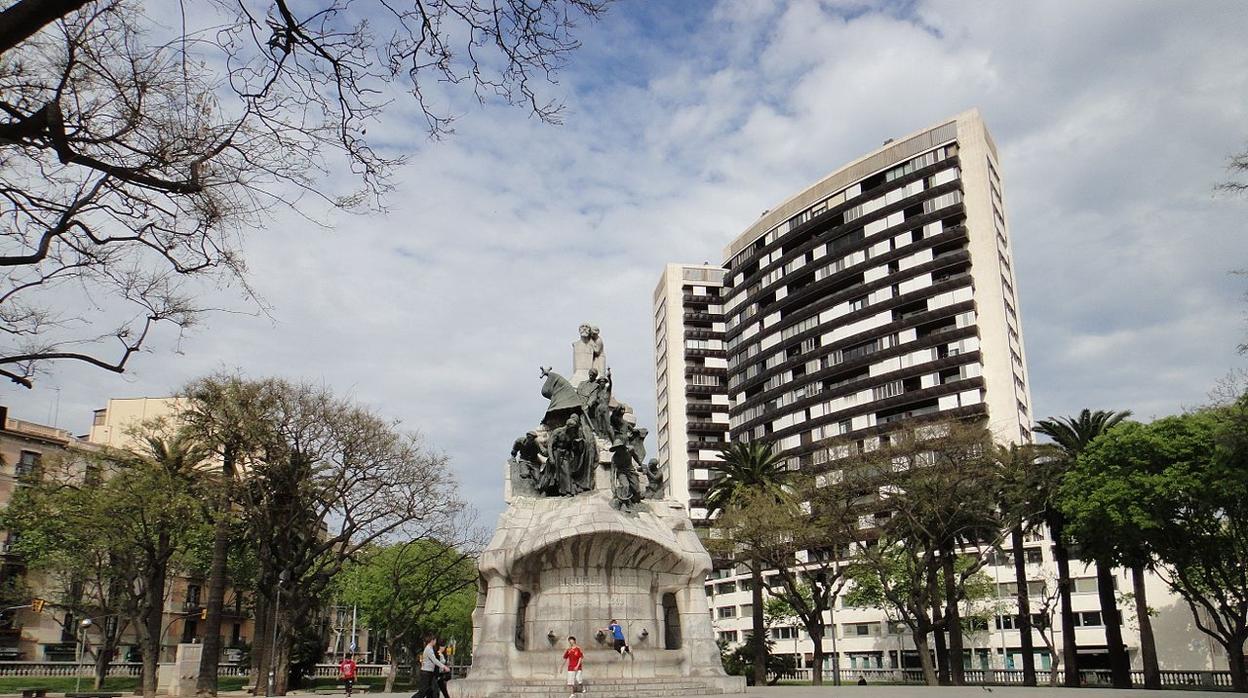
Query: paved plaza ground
column 883, row 691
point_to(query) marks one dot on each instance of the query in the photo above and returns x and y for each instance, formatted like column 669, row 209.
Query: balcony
column 701, row 407
column 705, row 390
column 708, row 427
column 691, row 353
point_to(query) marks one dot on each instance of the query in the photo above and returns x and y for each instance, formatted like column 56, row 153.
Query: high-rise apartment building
column 879, row 297
column 691, row 368
column 882, row 293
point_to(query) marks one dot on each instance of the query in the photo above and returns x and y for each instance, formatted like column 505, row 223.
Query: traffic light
column 36, row 605
column 203, row 614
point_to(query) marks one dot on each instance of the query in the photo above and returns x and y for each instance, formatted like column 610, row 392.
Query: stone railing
column 66, row 669
column 996, row 677
column 328, row 671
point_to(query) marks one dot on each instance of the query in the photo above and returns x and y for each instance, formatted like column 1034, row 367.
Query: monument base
column 568, row 566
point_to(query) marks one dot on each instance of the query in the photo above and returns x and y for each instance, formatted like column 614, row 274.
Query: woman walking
column 430, row 666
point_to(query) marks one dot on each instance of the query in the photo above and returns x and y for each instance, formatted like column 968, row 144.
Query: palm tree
column 749, row 466
column 1072, row 435
column 1021, row 469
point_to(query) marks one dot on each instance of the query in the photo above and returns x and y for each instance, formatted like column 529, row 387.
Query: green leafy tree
column 746, row 469
column 229, row 415
column 809, row 537
column 138, row 509
column 61, row 539
column 1177, row 488
column 1072, row 435
column 1023, row 470
column 1110, row 538
column 937, row 493
column 333, row 479
column 401, row 588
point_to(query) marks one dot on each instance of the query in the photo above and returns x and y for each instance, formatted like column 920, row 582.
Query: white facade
column 690, row 370
column 882, row 294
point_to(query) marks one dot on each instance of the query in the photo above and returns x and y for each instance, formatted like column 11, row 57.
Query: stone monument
column 582, row 542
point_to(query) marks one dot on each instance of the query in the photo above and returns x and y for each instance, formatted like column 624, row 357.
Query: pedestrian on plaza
column 573, row 658
column 617, row 638
column 430, row 665
column 445, row 674
column 346, row 670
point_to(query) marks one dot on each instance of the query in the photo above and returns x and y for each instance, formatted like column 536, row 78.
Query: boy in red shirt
column 572, row 657
column 346, row 669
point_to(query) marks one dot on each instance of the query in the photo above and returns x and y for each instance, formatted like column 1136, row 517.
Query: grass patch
column 117, row 684
column 62, row 684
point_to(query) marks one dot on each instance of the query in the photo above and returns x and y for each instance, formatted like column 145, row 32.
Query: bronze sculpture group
column 576, row 418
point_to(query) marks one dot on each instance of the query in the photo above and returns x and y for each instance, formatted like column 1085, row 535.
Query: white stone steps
column 610, row 688
column 622, row 692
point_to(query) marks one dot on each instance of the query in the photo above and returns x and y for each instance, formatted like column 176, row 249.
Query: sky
column 684, row 121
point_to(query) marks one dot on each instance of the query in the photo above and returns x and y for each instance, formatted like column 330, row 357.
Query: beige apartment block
column 27, row 450
column 114, row 425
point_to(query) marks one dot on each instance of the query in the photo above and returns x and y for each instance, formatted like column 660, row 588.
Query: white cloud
column 1113, row 119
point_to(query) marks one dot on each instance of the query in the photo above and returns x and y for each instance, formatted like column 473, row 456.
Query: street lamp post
column 277, row 614
column 82, row 636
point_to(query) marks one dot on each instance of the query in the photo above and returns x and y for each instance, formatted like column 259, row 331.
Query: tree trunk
column 1055, row 658
column 1148, row 646
column 392, row 649
column 1024, row 607
column 953, row 619
column 261, row 630
column 760, row 630
column 103, row 659
column 154, row 600
column 1235, row 662
column 1070, row 655
column 99, row 673
column 210, row 659
column 1119, row 664
column 938, row 625
column 816, row 643
column 280, row 662
column 925, row 658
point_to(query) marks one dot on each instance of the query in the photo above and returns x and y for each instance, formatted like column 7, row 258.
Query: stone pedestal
column 560, row 566
column 186, row 669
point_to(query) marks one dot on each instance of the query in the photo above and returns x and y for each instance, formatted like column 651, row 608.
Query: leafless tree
column 334, row 480
column 1238, row 167
column 132, row 156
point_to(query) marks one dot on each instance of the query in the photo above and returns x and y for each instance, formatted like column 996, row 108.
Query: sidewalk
column 885, row 691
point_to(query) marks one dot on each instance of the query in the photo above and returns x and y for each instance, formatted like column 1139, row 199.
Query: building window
column 1088, row 619
column 28, row 463
column 727, row 612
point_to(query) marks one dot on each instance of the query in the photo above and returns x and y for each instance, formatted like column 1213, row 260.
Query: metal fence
column 998, row 677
